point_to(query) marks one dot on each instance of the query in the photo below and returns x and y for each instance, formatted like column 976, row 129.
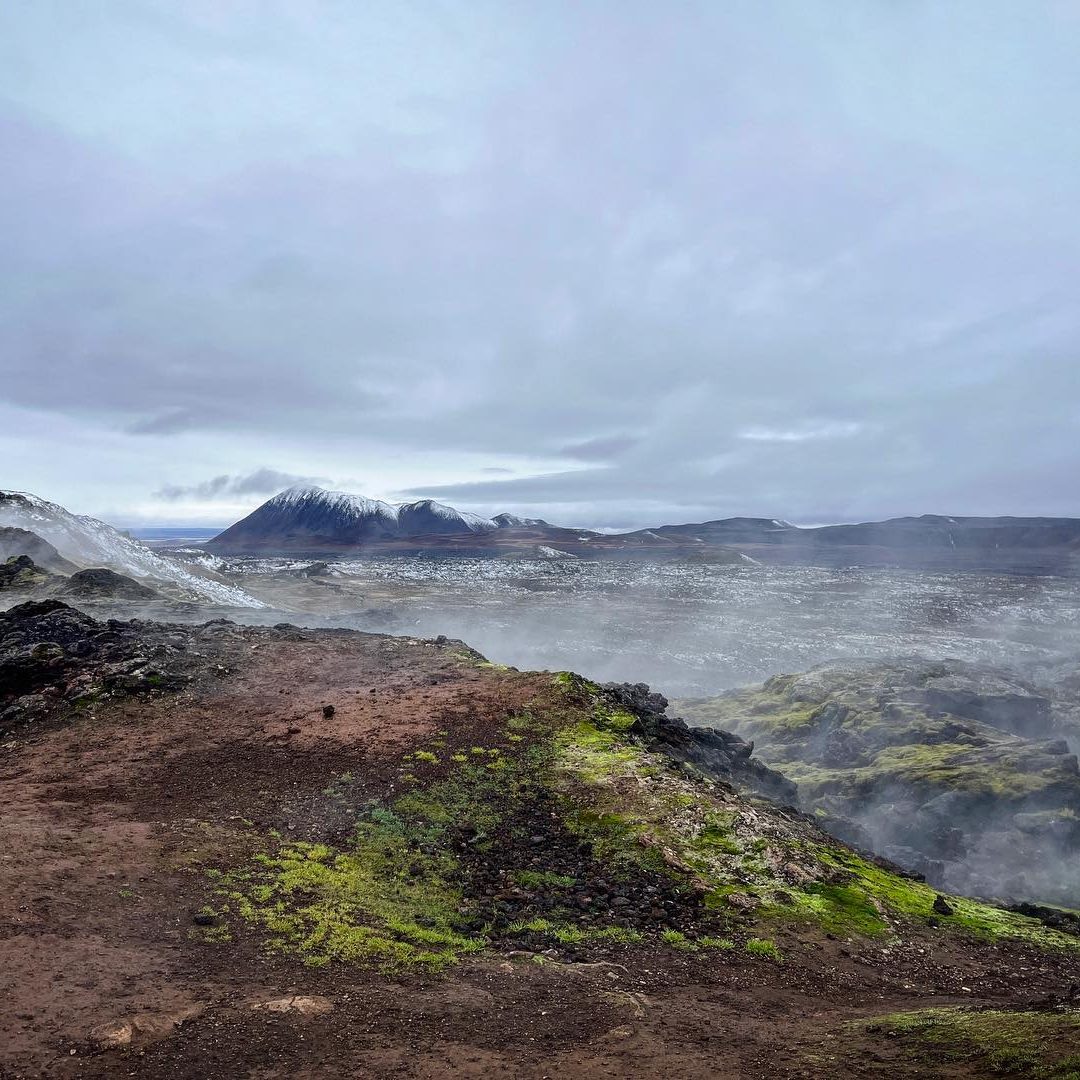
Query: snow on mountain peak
column 423, row 515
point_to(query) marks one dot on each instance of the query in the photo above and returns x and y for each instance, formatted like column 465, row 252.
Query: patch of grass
column 538, row 879
column 568, row 934
column 994, row 1041
column 709, row 942
column 211, row 935
column 678, row 940
column 763, row 947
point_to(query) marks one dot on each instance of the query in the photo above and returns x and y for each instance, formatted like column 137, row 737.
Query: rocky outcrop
column 718, row 754
column 956, row 771
column 20, row 572
column 52, row 654
column 103, row 584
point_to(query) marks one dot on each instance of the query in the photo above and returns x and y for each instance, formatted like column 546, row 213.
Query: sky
column 606, row 262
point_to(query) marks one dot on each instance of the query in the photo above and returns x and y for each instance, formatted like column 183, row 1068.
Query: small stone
column 942, row 906
column 313, row 1005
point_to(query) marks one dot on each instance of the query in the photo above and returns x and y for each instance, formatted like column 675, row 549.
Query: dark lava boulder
column 957, row 771
column 103, row 584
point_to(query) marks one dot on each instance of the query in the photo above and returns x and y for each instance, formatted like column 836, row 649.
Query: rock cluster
column 52, row 655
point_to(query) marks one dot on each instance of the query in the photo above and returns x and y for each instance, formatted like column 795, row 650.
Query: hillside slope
column 280, row 852
column 91, row 544
column 959, row 771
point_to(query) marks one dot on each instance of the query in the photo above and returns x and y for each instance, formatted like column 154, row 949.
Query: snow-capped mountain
column 87, row 542
column 312, row 517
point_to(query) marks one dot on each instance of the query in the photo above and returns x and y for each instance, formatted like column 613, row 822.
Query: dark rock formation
column 52, row 654
column 719, row 754
column 21, row 572
column 102, row 584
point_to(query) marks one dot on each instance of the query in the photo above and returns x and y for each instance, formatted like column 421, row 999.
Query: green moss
column 211, row 935
column 568, row 934
column 385, row 902
column 914, row 900
column 1038, row 1045
column 426, row 756
column 838, row 909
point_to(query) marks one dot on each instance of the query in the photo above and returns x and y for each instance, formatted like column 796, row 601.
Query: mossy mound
column 1042, row 1045
column 22, row 573
column 954, row 771
column 564, row 832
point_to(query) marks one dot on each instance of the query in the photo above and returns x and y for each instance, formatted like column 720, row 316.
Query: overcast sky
column 611, row 263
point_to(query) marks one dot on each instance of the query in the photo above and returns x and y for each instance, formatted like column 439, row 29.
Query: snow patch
column 91, row 543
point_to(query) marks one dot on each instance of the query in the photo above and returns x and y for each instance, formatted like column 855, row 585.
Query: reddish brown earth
column 110, row 814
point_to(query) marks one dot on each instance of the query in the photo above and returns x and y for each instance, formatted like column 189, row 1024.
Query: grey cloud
column 260, row 482
column 600, row 449
column 731, row 237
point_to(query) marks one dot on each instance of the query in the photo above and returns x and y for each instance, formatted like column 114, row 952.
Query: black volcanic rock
column 719, row 754
column 103, row 584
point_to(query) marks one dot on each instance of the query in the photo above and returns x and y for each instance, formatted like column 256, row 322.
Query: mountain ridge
column 310, row 520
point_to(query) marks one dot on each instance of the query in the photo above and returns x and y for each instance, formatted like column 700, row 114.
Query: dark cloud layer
column 259, row 482
column 805, row 260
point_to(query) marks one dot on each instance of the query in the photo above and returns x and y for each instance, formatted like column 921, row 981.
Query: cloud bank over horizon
column 610, row 264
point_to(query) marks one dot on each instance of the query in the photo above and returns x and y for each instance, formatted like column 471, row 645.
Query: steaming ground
column 688, row 630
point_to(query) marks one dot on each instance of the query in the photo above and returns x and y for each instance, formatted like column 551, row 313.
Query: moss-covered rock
column 20, row 572
column 954, row 771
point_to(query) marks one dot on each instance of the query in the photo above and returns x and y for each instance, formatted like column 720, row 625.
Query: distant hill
column 18, row 542
column 313, row 520
column 932, row 540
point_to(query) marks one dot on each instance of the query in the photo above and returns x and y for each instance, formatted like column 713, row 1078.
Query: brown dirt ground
column 106, row 817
